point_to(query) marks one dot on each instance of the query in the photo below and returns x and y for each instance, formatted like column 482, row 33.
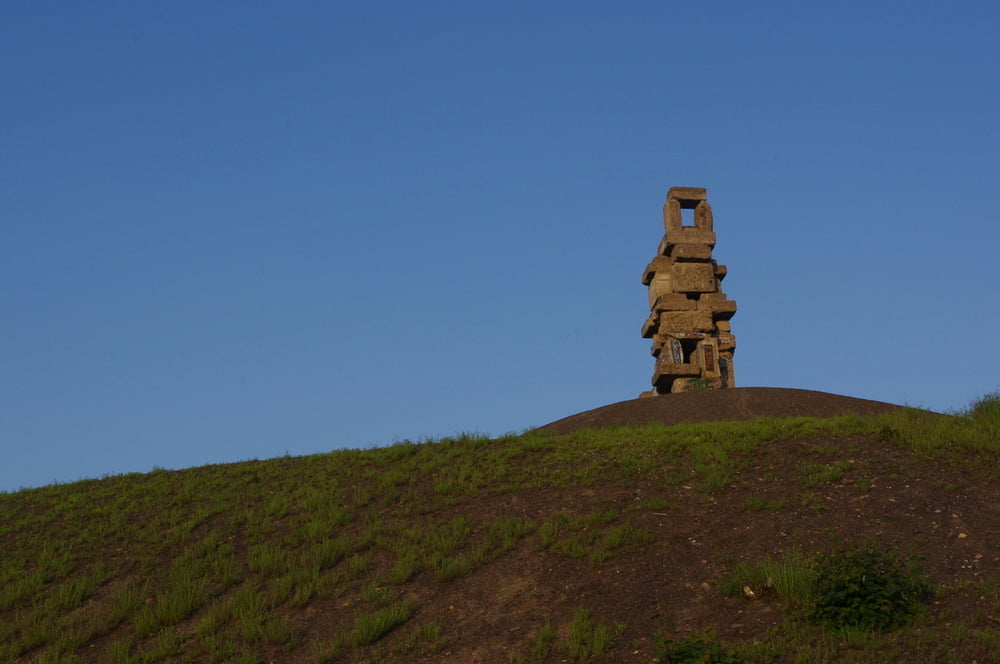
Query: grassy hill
column 615, row 545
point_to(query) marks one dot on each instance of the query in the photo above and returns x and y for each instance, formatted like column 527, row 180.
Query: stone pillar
column 689, row 314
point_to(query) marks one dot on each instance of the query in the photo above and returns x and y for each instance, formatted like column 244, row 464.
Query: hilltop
column 561, row 544
column 735, row 405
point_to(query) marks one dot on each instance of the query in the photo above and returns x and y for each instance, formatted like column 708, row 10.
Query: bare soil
column 946, row 515
column 744, row 403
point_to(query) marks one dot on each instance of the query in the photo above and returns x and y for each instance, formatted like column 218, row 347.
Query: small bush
column 985, row 411
column 867, row 588
column 699, row 649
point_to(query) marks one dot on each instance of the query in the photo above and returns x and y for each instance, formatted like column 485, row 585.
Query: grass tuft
column 372, row 626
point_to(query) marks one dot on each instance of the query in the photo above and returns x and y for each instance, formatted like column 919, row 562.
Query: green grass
column 542, row 646
column 790, row 576
column 814, row 474
column 210, row 563
column 370, row 627
column 757, row 503
column 587, row 638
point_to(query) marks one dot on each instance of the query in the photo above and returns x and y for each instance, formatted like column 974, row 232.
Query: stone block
column 703, row 321
column 673, row 220
column 688, row 235
column 650, row 326
column 724, row 314
column 727, row 342
column 676, row 321
column 687, row 193
column 703, row 218
column 672, row 369
column 661, row 341
column 690, row 252
column 659, row 264
column 668, row 369
column 685, row 321
column 693, row 278
column 674, row 302
column 718, row 305
column 661, row 284
column 712, row 299
column 723, row 326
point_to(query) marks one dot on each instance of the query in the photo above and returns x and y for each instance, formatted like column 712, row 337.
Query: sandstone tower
column 689, row 314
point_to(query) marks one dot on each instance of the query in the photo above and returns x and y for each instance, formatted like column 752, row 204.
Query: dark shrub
column 868, row 588
column 700, row 649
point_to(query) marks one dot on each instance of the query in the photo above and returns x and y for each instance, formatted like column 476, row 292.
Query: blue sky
column 239, row 230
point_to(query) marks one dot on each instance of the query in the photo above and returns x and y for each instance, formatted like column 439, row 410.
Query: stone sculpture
column 689, row 314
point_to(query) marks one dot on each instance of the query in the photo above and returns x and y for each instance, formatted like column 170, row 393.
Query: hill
column 598, row 545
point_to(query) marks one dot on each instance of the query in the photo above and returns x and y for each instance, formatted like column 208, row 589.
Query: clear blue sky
column 236, row 230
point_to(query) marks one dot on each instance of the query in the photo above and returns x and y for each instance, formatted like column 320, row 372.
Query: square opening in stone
column 687, row 212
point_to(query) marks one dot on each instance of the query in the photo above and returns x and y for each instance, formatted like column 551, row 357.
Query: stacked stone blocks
column 689, row 314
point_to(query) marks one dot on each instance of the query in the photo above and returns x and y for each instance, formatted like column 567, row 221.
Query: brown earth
column 947, row 516
column 744, row 403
